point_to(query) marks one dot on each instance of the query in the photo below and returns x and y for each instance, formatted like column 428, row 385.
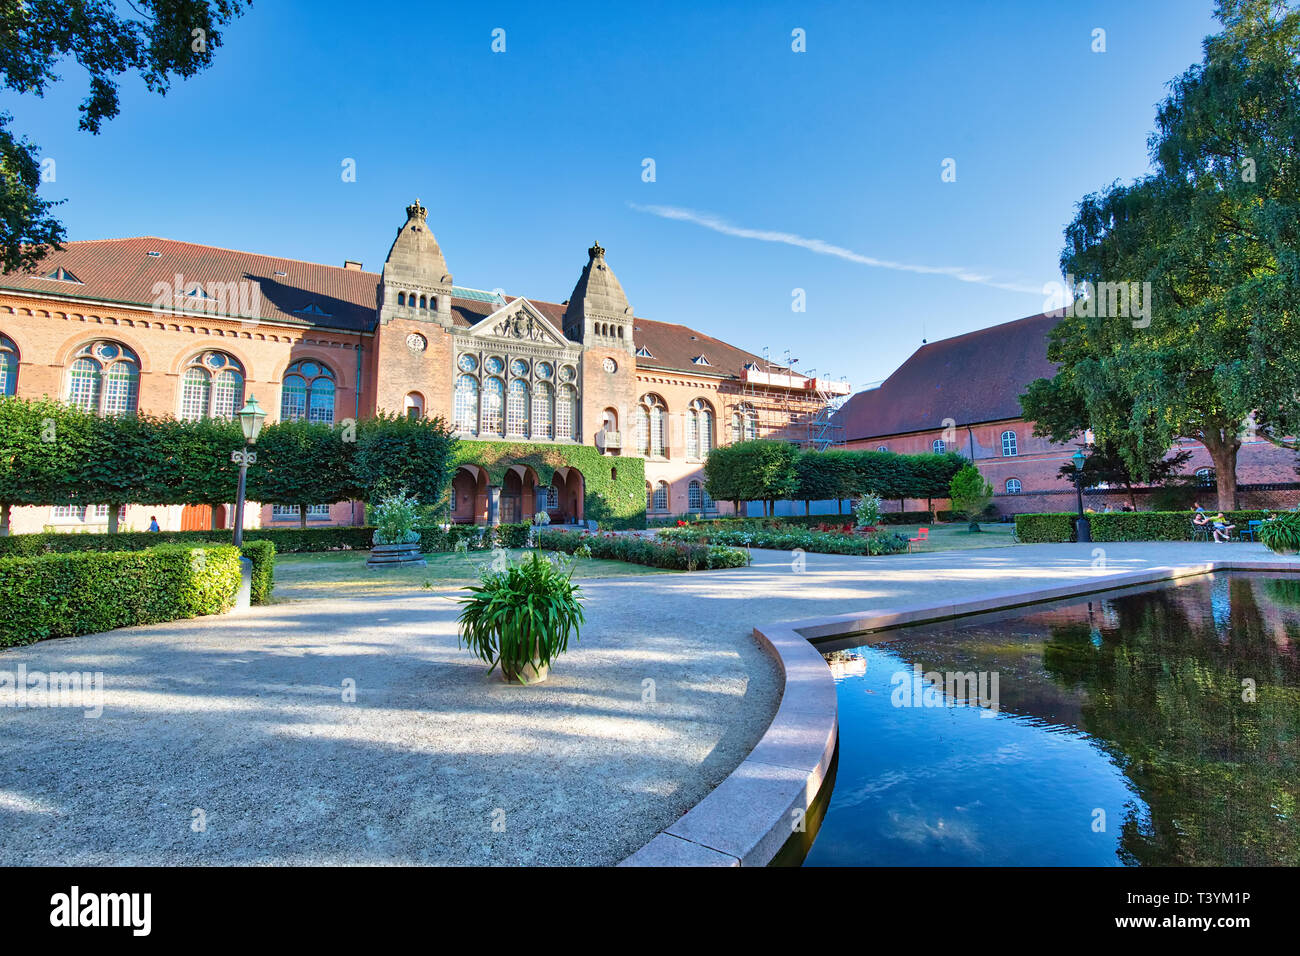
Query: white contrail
column 823, row 248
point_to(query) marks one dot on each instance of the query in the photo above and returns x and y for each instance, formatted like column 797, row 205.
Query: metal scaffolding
column 792, row 406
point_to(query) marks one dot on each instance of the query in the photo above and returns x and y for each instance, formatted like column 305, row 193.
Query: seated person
column 1222, row 530
column 1199, row 518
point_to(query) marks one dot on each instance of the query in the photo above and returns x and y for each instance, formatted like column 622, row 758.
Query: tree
column 42, row 443
column 123, row 464
column 395, row 452
column 758, row 470
column 823, row 475
column 1211, row 243
column 173, row 38
column 970, row 494
column 932, row 476
column 301, row 463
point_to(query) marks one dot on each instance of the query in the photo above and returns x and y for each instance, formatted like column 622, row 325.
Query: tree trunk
column 1223, row 447
column 215, row 521
column 302, row 517
column 839, row 506
column 807, row 508
column 112, row 518
column 4, row 519
column 1132, row 497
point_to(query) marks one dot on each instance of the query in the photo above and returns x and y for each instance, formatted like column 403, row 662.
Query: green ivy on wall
column 614, row 486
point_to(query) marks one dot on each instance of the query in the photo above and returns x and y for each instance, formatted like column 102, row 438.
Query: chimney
column 351, row 264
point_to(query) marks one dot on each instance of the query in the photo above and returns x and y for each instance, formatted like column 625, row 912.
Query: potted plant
column 522, row 617
column 396, row 542
column 867, row 512
column 1281, row 534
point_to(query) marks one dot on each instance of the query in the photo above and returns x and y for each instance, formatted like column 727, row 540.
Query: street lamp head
column 250, row 420
column 1078, row 458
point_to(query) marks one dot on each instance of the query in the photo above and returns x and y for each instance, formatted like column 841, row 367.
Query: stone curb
column 748, row 817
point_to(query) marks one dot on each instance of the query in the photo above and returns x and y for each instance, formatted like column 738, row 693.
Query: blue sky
column 774, row 170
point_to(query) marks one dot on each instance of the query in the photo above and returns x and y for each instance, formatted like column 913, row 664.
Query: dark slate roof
column 675, row 347
column 971, row 378
column 122, row 271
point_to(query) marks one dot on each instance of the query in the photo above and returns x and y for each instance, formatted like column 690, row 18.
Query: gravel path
column 228, row 739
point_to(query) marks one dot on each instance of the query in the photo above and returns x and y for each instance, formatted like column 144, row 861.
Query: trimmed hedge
column 818, row 542
column 63, row 595
column 1121, row 525
column 262, row 554
column 779, row 522
column 674, row 556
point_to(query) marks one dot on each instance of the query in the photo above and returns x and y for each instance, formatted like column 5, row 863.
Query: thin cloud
column 823, row 248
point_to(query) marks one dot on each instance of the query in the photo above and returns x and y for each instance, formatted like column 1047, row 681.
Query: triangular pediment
column 520, row 321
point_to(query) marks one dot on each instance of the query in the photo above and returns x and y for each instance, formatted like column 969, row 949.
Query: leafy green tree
column 42, row 444
column 759, row 470
column 171, row 38
column 1215, row 231
column 394, row 452
column 301, row 463
column 123, row 464
column 970, row 494
column 825, row 475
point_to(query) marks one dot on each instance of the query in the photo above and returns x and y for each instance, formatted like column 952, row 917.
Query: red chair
column 922, row 536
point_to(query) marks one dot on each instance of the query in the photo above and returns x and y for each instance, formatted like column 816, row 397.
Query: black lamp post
column 250, row 420
column 1082, row 528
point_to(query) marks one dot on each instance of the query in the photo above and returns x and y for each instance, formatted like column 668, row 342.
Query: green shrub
column 262, row 554
column 395, row 518
column 63, row 595
column 1120, row 525
column 818, row 542
column 867, row 511
column 672, row 556
column 1282, row 533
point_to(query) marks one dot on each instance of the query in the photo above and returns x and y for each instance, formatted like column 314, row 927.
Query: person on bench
column 1222, row 530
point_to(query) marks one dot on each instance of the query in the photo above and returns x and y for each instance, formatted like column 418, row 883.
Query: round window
column 567, row 373
column 494, row 365
column 544, row 370
column 518, row 367
column 467, row 363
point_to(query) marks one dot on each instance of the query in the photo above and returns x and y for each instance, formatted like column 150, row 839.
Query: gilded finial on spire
column 596, row 252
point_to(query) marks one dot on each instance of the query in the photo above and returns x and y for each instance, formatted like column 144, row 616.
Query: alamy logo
column 951, row 689
column 103, row 909
column 240, row 299
column 1102, row 300
column 24, row 688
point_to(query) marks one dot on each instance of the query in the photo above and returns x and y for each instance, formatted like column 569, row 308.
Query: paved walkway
column 243, row 719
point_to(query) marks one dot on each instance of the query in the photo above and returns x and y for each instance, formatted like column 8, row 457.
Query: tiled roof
column 121, row 270
column 971, row 378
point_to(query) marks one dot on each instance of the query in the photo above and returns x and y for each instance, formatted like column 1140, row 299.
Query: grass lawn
column 953, row 535
column 344, row 573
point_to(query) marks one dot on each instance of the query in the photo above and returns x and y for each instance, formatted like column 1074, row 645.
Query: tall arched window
column 517, row 409
column 652, row 426
column 494, row 394
column 212, row 386
column 307, row 392
column 8, row 366
column 566, row 414
column 1013, row 486
column 939, row 447
column 694, row 496
column 660, row 502
column 465, row 411
column 544, row 411
column 744, row 423
column 414, row 405
column 104, row 378
column 699, row 429
column 1008, row 444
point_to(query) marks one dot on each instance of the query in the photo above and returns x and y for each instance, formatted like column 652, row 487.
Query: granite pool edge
column 747, row 818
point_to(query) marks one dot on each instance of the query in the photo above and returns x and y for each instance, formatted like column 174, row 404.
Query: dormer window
column 643, row 352
column 197, row 293
column 311, row 309
column 701, row 360
column 61, row 275
column 153, row 254
column 279, row 273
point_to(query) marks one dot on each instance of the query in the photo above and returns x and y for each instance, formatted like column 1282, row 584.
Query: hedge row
column 674, row 556
column 1121, row 525
column 782, row 522
column 63, row 595
column 262, row 554
column 819, row 542
column 285, row 540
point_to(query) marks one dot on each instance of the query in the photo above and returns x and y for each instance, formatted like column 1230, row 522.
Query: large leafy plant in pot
column 522, row 616
column 1282, row 533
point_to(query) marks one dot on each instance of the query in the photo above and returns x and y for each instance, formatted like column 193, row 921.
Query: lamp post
column 1082, row 528
column 250, row 420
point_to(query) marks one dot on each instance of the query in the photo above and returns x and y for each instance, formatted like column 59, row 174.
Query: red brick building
column 962, row 394
column 174, row 328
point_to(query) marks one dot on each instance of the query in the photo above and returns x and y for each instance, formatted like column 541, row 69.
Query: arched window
column 1013, row 486
column 8, row 366
column 1205, row 477
column 494, row 394
column 566, row 414
column 552, row 498
column 401, row 298
column 883, row 448
column 661, row 496
column 307, row 392
column 708, row 502
column 517, row 409
column 744, row 423
column 104, row 378
column 1008, row 444
column 652, row 426
column 544, row 411
column 649, row 497
column 212, row 386
column 939, row 447
column 699, row 429
column 414, row 405
column 694, row 496
column 465, row 409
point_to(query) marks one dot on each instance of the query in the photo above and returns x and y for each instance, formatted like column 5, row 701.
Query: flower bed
column 818, row 542
column 674, row 555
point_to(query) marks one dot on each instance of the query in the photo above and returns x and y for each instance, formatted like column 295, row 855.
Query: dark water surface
column 1152, row 726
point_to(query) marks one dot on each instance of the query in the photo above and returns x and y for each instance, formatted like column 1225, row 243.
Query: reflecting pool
column 1150, row 726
